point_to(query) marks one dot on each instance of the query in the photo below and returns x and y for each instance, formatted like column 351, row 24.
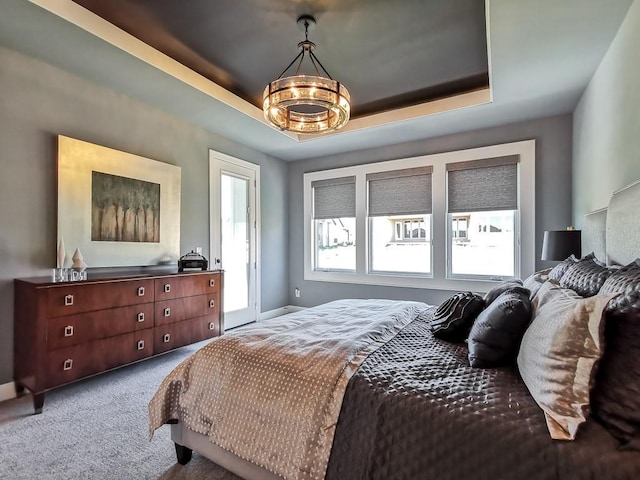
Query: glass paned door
column 234, row 243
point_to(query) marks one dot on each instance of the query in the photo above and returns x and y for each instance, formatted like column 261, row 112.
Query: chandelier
column 306, row 103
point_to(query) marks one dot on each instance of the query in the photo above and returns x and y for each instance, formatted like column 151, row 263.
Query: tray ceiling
column 389, row 54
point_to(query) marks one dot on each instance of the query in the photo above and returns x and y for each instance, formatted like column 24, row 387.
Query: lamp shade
column 560, row 244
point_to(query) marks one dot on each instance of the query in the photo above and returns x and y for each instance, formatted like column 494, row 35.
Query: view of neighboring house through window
column 482, row 202
column 334, row 222
column 399, row 212
column 456, row 220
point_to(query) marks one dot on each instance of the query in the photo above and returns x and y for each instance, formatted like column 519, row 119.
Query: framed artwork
column 119, row 209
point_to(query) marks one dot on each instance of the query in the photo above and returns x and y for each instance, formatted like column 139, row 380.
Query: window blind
column 400, row 192
column 483, row 185
column 334, row 198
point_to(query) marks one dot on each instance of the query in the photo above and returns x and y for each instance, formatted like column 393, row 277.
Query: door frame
column 214, row 217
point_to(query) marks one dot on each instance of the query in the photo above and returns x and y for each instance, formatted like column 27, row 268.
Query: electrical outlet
column 199, row 250
column 297, row 292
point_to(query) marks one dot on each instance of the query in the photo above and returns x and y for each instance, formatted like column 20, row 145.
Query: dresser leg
column 38, row 402
column 183, row 454
column 19, row 389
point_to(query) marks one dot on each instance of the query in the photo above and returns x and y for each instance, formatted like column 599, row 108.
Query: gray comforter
column 415, row 409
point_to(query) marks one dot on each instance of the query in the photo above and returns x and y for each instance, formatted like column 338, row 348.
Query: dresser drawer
column 76, row 298
column 67, row 364
column 179, row 309
column 186, row 286
column 174, row 335
column 74, row 329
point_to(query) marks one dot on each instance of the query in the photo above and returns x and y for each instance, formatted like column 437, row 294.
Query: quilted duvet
column 271, row 393
column 415, row 409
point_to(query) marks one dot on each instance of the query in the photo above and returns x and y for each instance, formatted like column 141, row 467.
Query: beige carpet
column 97, row 429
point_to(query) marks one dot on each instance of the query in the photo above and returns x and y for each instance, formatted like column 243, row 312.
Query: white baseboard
column 7, row 391
column 278, row 312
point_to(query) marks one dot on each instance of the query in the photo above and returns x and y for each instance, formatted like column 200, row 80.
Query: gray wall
column 553, row 198
column 39, row 102
column 606, row 135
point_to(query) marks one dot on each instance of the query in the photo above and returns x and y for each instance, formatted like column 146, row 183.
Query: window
column 482, row 204
column 412, row 230
column 456, row 220
column 399, row 199
column 335, row 224
column 459, row 228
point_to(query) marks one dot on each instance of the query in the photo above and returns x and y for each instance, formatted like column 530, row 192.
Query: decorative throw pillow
column 500, row 288
column 454, row 317
column 496, row 334
column 585, row 277
column 625, row 281
column 558, row 355
column 616, row 395
column 534, row 281
column 560, row 269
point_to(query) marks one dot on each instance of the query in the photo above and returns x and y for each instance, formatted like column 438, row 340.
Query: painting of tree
column 124, row 209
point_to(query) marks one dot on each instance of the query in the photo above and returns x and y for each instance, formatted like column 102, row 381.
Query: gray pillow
column 560, row 269
column 625, row 281
column 585, row 277
column 534, row 281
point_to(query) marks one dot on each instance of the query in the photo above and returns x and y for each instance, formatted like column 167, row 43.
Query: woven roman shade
column 400, row 192
column 483, row 185
column 334, row 198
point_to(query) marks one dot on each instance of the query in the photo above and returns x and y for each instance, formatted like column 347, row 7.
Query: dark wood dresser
column 67, row 331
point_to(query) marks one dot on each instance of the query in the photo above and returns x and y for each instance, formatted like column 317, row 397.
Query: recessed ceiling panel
column 389, row 54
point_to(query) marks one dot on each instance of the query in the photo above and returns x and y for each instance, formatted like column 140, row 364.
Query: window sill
column 391, row 280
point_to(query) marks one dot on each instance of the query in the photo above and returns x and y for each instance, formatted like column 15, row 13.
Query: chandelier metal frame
column 306, row 104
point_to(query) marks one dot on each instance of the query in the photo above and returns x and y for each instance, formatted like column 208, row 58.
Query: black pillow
column 454, row 317
column 502, row 287
column 496, row 334
column 615, row 399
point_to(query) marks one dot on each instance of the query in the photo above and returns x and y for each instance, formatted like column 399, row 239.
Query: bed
column 399, row 403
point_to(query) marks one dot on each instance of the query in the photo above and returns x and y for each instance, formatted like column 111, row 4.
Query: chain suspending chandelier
column 306, row 103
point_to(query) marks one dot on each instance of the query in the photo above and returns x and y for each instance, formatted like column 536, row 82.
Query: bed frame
column 612, row 233
column 187, row 441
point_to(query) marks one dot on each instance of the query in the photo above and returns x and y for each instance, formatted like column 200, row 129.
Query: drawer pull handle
column 166, row 337
column 68, row 331
column 212, row 326
column 68, row 300
column 141, row 317
column 140, row 344
column 68, row 364
column 167, row 312
column 212, row 303
column 167, row 288
column 212, row 282
column 141, row 291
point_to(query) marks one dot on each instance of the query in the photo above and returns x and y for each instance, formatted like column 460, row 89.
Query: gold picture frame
column 119, row 209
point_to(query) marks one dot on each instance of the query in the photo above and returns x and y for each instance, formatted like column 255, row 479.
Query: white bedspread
column 271, row 392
